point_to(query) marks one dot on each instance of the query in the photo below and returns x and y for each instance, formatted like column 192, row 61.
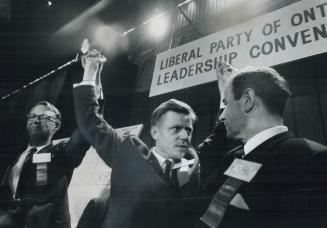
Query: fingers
column 223, row 67
column 93, row 53
column 224, row 70
column 92, row 57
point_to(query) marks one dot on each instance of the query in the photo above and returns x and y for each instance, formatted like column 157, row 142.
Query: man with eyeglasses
column 33, row 190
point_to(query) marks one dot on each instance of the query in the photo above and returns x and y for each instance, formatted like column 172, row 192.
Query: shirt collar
column 38, row 148
column 161, row 159
column 158, row 156
column 263, row 136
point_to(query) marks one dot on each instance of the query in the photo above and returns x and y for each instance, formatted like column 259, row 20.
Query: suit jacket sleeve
column 213, row 150
column 92, row 124
column 75, row 149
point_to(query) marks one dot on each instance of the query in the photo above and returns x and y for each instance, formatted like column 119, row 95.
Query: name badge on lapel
column 243, row 170
column 238, row 172
column 41, row 160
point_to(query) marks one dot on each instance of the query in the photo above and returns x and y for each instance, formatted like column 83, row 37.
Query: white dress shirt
column 183, row 172
column 162, row 160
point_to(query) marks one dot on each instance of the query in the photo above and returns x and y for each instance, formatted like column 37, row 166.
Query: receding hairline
column 50, row 107
column 173, row 105
column 160, row 118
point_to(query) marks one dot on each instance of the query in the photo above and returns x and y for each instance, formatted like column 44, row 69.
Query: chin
column 230, row 134
column 180, row 154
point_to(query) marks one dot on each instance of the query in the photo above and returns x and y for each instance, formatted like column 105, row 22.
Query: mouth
column 34, row 126
column 184, row 147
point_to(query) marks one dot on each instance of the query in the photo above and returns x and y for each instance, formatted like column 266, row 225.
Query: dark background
column 31, row 45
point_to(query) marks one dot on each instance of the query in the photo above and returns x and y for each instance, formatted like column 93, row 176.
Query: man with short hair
column 33, row 190
column 289, row 189
column 149, row 187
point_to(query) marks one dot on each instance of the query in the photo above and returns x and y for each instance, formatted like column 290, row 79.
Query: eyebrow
column 181, row 126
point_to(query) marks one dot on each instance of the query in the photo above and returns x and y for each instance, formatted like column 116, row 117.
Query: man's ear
column 154, row 132
column 248, row 100
column 58, row 125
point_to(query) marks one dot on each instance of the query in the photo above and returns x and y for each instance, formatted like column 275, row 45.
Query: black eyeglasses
column 42, row 117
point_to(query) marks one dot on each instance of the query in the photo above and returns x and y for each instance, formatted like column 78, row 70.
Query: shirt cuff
column 91, row 83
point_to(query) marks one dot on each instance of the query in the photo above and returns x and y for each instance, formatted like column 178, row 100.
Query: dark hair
column 50, row 107
column 175, row 106
column 267, row 84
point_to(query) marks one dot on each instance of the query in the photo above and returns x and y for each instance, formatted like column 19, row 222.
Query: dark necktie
column 30, row 153
column 167, row 169
column 170, row 173
column 239, row 153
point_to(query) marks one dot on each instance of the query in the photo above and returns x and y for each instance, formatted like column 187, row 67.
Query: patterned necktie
column 30, row 152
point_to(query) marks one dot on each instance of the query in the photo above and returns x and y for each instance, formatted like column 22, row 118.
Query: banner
column 292, row 32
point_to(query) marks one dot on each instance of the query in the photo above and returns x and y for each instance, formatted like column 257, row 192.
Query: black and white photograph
column 163, row 113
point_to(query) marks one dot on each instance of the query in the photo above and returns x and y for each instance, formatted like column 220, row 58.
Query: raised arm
column 224, row 73
column 75, row 149
column 94, row 128
column 213, row 148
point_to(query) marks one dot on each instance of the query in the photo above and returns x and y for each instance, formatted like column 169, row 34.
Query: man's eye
column 175, row 129
column 31, row 116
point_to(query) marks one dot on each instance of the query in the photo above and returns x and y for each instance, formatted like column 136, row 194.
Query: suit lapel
column 44, row 149
column 257, row 155
column 28, row 165
column 153, row 162
column 229, row 157
column 11, row 163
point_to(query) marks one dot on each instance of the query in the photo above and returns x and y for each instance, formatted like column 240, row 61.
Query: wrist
column 89, row 75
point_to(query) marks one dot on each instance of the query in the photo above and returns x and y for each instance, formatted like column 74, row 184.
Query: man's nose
column 184, row 134
column 222, row 115
column 37, row 119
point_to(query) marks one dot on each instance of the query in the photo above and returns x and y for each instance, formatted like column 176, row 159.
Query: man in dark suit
column 288, row 188
column 149, row 187
column 33, row 188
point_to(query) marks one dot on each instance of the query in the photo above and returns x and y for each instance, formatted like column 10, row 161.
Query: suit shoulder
column 315, row 146
column 60, row 141
column 139, row 145
column 56, row 146
column 303, row 144
column 135, row 141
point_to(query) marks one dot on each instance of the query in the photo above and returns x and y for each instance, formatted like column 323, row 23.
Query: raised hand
column 92, row 62
column 224, row 73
